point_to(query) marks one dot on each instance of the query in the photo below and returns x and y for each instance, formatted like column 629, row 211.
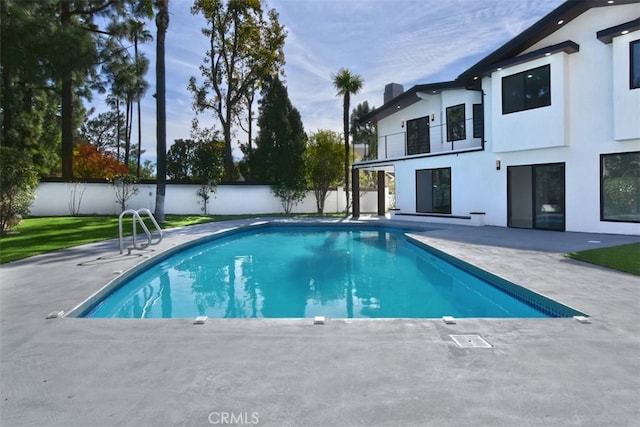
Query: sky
column 384, row 41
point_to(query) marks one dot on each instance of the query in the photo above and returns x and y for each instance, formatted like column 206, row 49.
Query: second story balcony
column 420, row 138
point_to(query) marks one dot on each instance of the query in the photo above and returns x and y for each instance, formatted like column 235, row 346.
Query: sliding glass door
column 433, row 190
column 535, row 196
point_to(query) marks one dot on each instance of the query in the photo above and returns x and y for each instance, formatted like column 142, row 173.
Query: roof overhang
column 550, row 23
column 410, row 97
column 567, row 47
column 507, row 55
column 375, row 165
column 606, row 36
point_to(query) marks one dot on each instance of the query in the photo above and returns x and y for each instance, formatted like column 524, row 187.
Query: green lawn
column 44, row 234
column 624, row 258
column 37, row 235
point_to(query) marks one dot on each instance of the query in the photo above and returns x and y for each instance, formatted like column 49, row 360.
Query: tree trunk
column 162, row 22
column 8, row 115
column 67, row 106
column 135, row 48
column 139, row 142
column 345, row 119
column 118, row 130
column 228, row 153
column 127, row 131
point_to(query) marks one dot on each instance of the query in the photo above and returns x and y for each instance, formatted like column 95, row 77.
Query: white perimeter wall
column 54, row 198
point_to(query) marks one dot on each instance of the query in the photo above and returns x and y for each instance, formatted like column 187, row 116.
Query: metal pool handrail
column 135, row 215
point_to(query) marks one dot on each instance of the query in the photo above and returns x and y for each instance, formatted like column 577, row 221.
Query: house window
column 433, row 190
column 634, row 64
column 620, row 187
column 456, row 129
column 478, row 121
column 527, row 90
column 418, row 136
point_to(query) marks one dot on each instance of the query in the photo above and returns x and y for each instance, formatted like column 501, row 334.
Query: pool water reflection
column 304, row 272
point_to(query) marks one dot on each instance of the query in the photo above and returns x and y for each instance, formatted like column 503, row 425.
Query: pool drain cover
column 470, row 341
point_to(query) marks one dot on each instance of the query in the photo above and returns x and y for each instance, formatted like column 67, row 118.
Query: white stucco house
column 542, row 133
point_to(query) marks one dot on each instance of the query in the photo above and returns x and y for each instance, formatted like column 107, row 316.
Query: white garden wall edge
column 55, row 199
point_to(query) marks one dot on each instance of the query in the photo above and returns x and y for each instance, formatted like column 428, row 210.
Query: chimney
column 391, row 91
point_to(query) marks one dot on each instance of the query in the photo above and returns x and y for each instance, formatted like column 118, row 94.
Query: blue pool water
column 302, row 272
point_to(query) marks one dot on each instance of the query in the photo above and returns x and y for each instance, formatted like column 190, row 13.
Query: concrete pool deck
column 288, row 372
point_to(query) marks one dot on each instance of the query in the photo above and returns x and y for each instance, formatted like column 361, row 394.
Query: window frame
column 602, row 188
column 450, row 128
column 521, row 79
column 426, row 142
column 432, row 195
column 635, row 44
column 478, row 120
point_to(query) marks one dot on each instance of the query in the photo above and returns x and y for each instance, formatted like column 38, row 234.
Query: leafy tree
column 180, row 159
column 247, row 148
column 139, row 34
column 147, row 169
column 44, row 80
column 90, row 161
column 78, row 29
column 162, row 23
column 280, row 145
column 208, row 168
column 364, row 133
column 29, row 99
column 246, row 46
column 125, row 70
column 323, row 159
column 101, row 131
column 347, row 84
column 18, row 183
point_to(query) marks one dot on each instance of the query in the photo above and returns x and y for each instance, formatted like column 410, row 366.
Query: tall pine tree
column 278, row 158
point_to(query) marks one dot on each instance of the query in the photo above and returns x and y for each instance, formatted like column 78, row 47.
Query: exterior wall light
column 498, row 165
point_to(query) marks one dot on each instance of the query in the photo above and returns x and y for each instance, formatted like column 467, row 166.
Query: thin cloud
column 402, row 41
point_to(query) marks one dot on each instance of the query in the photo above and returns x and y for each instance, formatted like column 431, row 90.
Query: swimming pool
column 298, row 272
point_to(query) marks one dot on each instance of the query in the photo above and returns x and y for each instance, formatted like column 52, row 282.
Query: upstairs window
column 456, row 129
column 527, row 90
column 418, row 136
column 478, row 121
column 634, row 64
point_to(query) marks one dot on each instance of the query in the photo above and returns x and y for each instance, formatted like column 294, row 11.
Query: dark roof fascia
column 568, row 47
column 434, row 88
column 408, row 98
column 507, row 54
column 401, row 101
column 606, row 36
column 566, row 12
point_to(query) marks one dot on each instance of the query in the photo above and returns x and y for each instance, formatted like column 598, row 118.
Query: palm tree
column 162, row 22
column 347, row 84
column 139, row 34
